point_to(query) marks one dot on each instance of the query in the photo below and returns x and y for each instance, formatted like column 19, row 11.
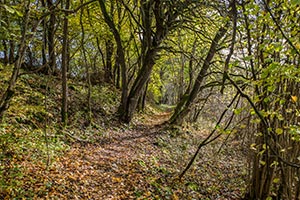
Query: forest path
column 141, row 162
column 112, row 169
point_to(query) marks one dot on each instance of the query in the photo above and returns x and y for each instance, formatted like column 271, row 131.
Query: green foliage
column 295, row 133
column 108, row 96
column 11, row 16
column 269, row 75
column 154, row 87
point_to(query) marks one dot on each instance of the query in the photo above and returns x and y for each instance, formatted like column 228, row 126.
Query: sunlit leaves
column 294, row 99
column 295, row 133
column 262, row 162
column 279, row 131
column 13, row 10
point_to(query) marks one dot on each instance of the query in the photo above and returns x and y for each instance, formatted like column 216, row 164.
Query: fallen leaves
column 128, row 164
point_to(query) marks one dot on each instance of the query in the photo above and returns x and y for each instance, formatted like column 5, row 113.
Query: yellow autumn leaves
column 294, row 99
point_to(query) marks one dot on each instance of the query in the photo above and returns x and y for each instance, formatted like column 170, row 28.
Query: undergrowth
column 31, row 131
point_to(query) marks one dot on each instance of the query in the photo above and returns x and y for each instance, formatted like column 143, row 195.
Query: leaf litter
column 139, row 162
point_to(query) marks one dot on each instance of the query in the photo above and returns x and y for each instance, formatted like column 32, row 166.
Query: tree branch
column 206, row 140
column 280, row 29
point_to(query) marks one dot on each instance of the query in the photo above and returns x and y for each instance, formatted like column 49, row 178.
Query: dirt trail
column 112, row 169
column 137, row 162
column 157, row 119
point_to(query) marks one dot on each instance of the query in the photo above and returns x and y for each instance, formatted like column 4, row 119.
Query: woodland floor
column 140, row 161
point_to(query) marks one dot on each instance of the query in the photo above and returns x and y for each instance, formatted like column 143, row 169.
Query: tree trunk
column 183, row 108
column 108, row 65
column 51, row 34
column 87, row 69
column 11, row 56
column 44, row 47
column 9, row 44
column 65, row 62
column 142, row 99
column 181, row 70
column 191, row 70
column 120, row 56
column 181, row 77
column 150, row 46
column 139, row 83
column 117, row 75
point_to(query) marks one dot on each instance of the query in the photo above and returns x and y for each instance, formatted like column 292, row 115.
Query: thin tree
column 65, row 63
column 183, row 107
column 87, row 69
column 51, row 30
column 120, row 54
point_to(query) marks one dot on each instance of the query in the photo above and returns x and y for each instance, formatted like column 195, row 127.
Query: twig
column 280, row 29
column 230, row 120
column 206, row 140
column 265, row 124
column 231, row 50
column 75, row 138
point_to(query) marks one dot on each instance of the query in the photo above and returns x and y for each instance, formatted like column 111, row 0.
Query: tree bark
column 11, row 56
column 142, row 99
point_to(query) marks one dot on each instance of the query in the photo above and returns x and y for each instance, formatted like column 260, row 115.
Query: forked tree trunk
column 139, row 83
column 151, row 41
column 120, row 55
